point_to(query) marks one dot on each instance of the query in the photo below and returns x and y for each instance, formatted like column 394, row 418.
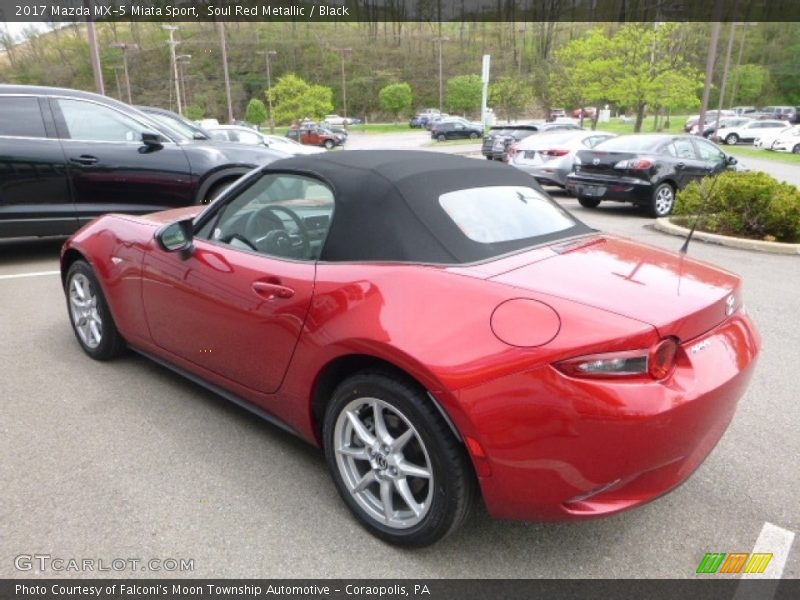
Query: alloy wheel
column 84, row 311
column 383, row 462
column 664, row 200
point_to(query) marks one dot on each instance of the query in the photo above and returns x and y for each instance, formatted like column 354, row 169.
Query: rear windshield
column 489, row 215
column 631, row 143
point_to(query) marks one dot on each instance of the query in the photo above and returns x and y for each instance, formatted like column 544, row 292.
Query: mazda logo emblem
column 381, row 462
column 596, row 161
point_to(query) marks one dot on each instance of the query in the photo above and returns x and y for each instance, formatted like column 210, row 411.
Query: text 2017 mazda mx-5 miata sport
column 438, row 325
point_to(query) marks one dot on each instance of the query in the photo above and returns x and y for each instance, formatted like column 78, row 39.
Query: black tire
column 473, row 136
column 489, row 158
column 441, row 137
column 110, row 343
column 587, row 202
column 215, row 190
column 796, row 149
column 731, row 139
column 662, row 201
column 450, row 491
column 329, row 144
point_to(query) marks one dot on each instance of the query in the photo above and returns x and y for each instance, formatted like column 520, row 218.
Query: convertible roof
column 387, row 204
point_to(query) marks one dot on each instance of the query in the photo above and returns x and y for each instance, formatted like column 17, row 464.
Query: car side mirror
column 152, row 139
column 199, row 136
column 731, row 160
column 177, row 237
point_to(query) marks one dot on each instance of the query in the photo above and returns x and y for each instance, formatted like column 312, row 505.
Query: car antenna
column 701, row 213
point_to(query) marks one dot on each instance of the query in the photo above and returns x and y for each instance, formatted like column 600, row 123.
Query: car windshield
column 489, row 215
column 173, row 125
column 631, row 143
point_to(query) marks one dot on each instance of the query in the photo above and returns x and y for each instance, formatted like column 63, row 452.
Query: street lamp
column 441, row 81
column 267, row 54
column 342, row 53
column 183, row 59
column 125, row 47
column 172, row 43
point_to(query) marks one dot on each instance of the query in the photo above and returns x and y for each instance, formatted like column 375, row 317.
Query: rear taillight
column 512, row 150
column 557, row 152
column 656, row 363
column 635, row 164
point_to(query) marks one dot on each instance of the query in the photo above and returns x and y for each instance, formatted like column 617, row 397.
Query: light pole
column 225, row 70
column 441, row 81
column 125, row 47
column 172, row 43
column 116, row 77
column 183, row 59
column 267, row 54
column 342, row 53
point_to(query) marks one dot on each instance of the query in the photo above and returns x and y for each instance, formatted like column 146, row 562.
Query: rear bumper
column 560, row 448
column 624, row 189
column 546, row 174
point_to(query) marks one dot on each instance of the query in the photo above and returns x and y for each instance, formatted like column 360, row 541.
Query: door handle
column 680, row 165
column 272, row 290
column 84, row 159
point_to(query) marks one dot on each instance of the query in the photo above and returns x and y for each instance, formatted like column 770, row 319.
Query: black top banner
column 400, row 10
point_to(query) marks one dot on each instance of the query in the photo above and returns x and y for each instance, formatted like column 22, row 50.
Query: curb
column 665, row 226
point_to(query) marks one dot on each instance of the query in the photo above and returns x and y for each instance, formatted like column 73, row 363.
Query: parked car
column 314, row 135
column 558, row 390
column 645, row 169
column 421, row 119
column 768, row 137
column 783, row 113
column 549, row 157
column 711, row 115
column 788, row 141
column 206, row 123
column 556, row 113
column 748, row 132
column 497, row 145
column 453, row 130
column 743, row 110
column 433, row 119
column 67, row 156
column 335, row 120
column 724, row 122
column 244, row 135
column 176, row 122
column 587, row 112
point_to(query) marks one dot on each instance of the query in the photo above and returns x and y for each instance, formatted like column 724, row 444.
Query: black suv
column 454, row 130
column 67, row 156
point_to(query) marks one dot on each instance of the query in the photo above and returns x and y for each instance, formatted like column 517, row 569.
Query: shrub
column 749, row 204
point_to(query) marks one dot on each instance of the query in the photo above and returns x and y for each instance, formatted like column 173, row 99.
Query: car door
column 111, row 169
column 236, row 306
column 34, row 187
column 715, row 159
column 687, row 164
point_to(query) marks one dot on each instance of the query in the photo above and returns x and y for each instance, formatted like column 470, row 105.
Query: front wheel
column 796, row 149
column 473, row 136
column 394, row 460
column 89, row 315
column 732, row 139
column 441, row 137
column 329, row 144
column 587, row 202
column 662, row 201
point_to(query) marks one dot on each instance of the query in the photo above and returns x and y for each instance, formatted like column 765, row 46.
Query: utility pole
column 172, row 43
column 125, row 47
column 441, row 81
column 342, row 53
column 712, row 55
column 225, row 69
column 267, row 54
column 95, row 56
column 116, row 77
column 182, row 60
column 724, row 76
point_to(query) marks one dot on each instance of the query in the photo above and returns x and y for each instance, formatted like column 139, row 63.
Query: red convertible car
column 438, row 325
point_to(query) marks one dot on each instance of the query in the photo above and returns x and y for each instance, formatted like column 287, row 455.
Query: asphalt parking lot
column 128, row 460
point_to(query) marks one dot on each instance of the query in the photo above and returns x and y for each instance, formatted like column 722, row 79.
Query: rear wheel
column 662, row 201
column 587, row 202
column 89, row 315
column 732, row 139
column 215, row 190
column 329, row 144
column 395, row 461
column 796, row 149
column 441, row 137
column 473, row 136
column 488, row 158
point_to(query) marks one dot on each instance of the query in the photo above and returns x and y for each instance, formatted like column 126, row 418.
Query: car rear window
column 489, row 215
column 631, row 143
column 20, row 116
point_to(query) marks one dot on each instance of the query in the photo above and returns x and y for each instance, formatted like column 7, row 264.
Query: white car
column 550, row 156
column 766, row 139
column 245, row 135
column 749, row 131
column 335, row 120
column 788, row 141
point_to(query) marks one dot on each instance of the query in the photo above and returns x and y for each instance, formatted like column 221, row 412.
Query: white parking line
column 777, row 541
column 36, row 274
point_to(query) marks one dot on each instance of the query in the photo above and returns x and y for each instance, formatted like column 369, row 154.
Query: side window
column 248, row 138
column 280, row 215
column 93, row 122
column 21, row 116
column 684, row 149
column 709, row 153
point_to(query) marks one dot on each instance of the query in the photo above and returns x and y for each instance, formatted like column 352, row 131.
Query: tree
column 750, row 81
column 294, row 99
column 395, row 98
column 464, row 93
column 511, row 94
column 256, row 112
column 193, row 112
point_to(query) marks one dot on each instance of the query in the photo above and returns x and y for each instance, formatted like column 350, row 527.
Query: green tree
column 750, row 82
column 395, row 98
column 511, row 94
column 193, row 112
column 294, row 99
column 464, row 93
column 256, row 112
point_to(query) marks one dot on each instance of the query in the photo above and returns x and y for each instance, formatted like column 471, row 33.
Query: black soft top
column 387, row 204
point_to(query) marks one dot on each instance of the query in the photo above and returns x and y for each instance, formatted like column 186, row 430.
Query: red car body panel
column 539, row 439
